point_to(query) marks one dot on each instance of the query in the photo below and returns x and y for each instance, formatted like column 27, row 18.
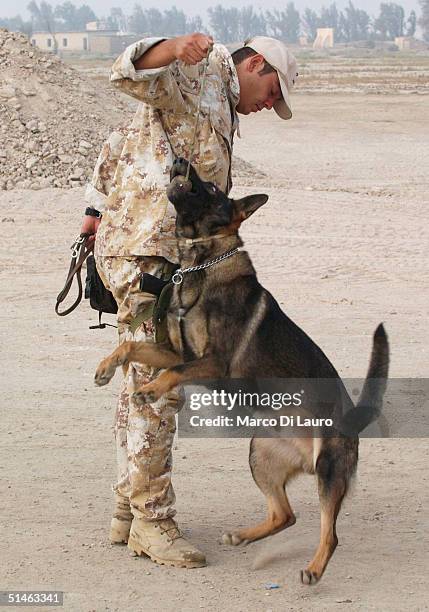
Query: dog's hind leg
column 332, row 489
column 271, row 473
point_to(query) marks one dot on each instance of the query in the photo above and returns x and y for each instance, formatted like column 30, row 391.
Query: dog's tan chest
column 189, row 332
column 174, row 333
column 195, row 332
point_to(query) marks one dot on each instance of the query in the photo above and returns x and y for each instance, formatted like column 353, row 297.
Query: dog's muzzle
column 178, row 187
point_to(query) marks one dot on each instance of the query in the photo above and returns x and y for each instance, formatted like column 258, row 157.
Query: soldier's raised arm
column 144, row 70
column 190, row 49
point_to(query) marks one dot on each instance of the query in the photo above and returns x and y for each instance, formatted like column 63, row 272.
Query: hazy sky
column 9, row 8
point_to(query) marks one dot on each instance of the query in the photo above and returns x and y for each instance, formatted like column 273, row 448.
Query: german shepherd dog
column 223, row 324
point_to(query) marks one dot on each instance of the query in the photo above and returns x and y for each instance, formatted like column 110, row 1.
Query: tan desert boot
column 121, row 521
column 163, row 542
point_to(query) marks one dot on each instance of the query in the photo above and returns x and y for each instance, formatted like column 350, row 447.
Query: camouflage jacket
column 133, row 167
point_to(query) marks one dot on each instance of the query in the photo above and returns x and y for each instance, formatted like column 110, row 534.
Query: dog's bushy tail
column 370, row 402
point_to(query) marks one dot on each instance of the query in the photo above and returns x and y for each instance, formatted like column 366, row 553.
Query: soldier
column 136, row 222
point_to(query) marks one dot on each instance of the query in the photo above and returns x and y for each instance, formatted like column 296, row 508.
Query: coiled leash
column 80, row 252
column 100, row 298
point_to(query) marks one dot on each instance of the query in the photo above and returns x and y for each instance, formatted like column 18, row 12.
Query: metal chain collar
column 177, row 277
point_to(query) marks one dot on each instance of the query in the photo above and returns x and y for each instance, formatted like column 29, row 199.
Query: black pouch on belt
column 100, row 298
column 152, row 284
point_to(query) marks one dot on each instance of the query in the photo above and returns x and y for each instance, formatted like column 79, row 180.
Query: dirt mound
column 53, row 119
column 245, row 170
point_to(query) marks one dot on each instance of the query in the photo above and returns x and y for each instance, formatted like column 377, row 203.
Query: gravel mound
column 242, row 170
column 53, row 120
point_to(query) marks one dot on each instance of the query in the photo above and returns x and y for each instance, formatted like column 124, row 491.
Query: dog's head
column 202, row 209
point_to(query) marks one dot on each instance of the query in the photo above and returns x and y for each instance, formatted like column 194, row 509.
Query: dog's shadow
column 276, row 553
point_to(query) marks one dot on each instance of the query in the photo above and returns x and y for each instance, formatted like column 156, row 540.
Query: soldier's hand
column 90, row 226
column 192, row 48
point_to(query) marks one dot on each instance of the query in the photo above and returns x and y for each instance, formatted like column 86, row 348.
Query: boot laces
column 171, row 529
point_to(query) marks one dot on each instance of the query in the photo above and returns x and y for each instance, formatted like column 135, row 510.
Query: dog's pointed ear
column 244, row 207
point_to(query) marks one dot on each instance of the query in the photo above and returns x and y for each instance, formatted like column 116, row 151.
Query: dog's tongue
column 181, row 183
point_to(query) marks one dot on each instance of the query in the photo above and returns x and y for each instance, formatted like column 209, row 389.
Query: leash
column 200, row 95
column 177, row 277
column 80, row 252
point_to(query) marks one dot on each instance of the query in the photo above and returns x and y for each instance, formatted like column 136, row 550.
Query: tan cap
column 278, row 56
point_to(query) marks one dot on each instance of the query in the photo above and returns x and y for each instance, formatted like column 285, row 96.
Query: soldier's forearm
column 157, row 56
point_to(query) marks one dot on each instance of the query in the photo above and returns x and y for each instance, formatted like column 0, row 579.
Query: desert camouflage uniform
column 136, row 233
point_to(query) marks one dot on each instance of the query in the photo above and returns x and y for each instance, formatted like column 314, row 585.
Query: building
column 65, row 41
column 404, row 43
column 96, row 38
column 324, row 38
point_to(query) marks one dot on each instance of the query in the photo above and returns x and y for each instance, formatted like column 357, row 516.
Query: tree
column 411, row 24
column 43, row 18
column 84, row 15
column 284, row 24
column 195, row 24
column 424, row 19
column 250, row 23
column 69, row 17
column 224, row 23
column 390, row 22
column 358, row 22
column 65, row 15
column 174, row 22
column 117, row 19
column 17, row 24
column 137, row 21
column 155, row 22
column 330, row 18
column 293, row 23
column 310, row 23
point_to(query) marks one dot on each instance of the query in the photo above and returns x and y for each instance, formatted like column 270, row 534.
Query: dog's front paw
column 104, row 373
column 233, row 539
column 308, row 577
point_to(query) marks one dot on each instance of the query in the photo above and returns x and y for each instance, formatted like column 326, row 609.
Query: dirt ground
column 342, row 244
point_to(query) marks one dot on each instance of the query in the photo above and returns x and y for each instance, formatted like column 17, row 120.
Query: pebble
column 31, row 162
column 7, row 92
column 32, row 125
column 76, row 175
column 66, row 159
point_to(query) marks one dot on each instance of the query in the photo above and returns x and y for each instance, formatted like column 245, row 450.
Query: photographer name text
column 249, row 421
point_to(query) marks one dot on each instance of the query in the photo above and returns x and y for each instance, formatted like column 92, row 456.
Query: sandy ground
column 341, row 244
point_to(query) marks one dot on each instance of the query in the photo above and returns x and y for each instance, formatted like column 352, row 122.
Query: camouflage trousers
column 144, row 434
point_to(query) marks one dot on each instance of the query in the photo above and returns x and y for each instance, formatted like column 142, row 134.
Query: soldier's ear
column 244, row 207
